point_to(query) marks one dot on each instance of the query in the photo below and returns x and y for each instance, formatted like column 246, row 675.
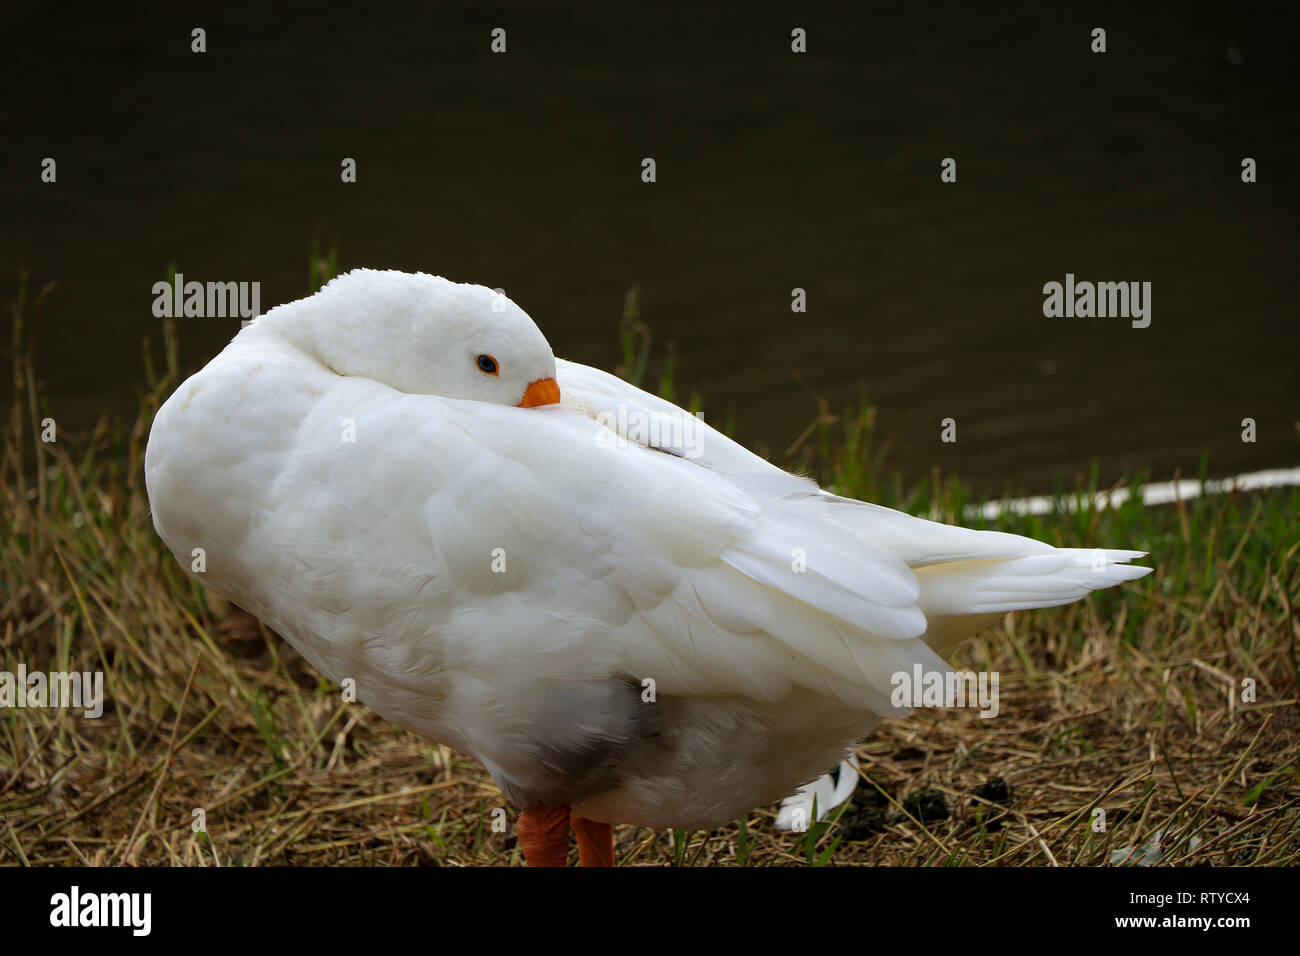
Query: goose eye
column 488, row 364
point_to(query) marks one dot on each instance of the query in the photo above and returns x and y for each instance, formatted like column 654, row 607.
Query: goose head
column 422, row 334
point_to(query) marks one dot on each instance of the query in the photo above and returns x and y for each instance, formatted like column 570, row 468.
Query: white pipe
column 1161, row 493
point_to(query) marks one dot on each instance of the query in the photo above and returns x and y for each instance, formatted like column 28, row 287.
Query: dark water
column 775, row 171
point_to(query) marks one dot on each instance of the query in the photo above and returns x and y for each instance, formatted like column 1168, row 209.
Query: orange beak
column 544, row 391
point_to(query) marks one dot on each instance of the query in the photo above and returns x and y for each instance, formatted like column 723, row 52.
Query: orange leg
column 595, row 842
column 544, row 836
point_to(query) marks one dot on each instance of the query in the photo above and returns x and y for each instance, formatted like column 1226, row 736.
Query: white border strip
column 1157, row 494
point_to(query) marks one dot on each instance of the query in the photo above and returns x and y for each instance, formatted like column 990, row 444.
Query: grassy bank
column 1130, row 702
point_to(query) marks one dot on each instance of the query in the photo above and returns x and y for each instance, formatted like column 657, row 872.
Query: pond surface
column 775, row 171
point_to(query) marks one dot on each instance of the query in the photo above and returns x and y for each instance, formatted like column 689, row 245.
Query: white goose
column 624, row 615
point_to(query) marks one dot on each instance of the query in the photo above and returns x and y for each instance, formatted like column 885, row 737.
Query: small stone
column 869, row 795
column 996, row 790
column 926, row 804
column 861, row 823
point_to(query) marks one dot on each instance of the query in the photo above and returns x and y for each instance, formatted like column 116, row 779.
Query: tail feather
column 1015, row 584
column 962, row 597
column 969, row 578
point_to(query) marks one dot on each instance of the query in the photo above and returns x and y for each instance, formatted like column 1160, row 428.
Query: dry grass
column 1130, row 701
